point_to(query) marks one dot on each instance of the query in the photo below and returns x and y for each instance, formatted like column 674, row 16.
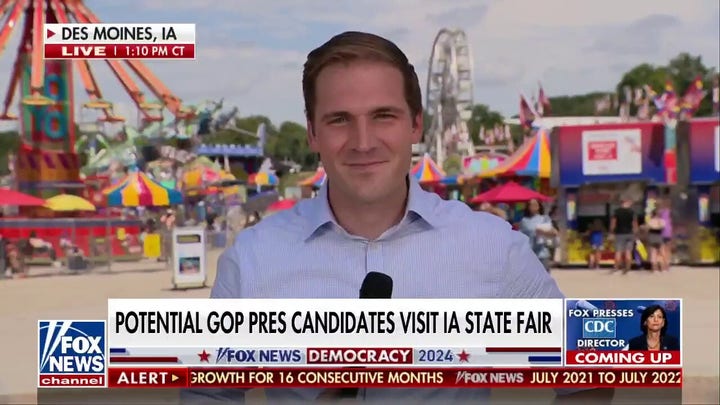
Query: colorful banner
column 671, row 152
column 629, row 152
column 611, row 152
column 704, row 142
column 717, row 149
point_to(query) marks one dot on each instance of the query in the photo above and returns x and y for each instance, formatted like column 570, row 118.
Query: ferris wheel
column 449, row 95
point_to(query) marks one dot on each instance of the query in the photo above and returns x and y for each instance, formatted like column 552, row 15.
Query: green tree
column 9, row 143
column 681, row 71
column 581, row 105
column 242, row 132
column 644, row 74
column 483, row 117
column 452, row 165
column 290, row 143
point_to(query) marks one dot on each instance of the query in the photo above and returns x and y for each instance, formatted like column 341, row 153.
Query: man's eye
column 337, row 120
column 384, row 116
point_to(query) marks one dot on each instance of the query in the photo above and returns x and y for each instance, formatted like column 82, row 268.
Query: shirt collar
column 420, row 203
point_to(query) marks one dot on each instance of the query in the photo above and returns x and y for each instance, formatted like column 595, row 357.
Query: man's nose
column 362, row 136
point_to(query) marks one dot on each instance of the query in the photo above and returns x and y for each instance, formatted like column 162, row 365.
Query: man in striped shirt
column 364, row 112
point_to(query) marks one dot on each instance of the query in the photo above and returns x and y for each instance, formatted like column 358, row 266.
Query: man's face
column 363, row 130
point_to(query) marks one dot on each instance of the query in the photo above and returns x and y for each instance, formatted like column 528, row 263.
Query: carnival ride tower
column 449, row 96
column 47, row 160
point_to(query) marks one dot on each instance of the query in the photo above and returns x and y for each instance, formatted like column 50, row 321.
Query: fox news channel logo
column 71, row 354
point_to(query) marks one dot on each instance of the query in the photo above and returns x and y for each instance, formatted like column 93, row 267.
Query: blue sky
column 251, row 52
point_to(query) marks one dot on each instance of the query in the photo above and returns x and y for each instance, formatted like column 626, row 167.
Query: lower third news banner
column 378, row 343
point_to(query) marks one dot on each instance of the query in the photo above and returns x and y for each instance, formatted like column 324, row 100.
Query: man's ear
column 417, row 127
column 311, row 137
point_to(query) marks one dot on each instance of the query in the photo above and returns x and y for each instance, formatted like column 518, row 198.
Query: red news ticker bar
column 119, row 51
column 385, row 377
column 622, row 358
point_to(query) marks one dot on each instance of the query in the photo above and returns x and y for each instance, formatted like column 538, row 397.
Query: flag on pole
column 693, row 97
column 527, row 116
column 544, row 109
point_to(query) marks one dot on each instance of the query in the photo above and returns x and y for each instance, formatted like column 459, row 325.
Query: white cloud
column 570, row 46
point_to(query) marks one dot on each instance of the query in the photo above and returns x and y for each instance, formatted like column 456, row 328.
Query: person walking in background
column 656, row 226
column 623, row 228
column 538, row 228
column 555, row 241
column 667, row 234
column 596, row 234
column 3, row 254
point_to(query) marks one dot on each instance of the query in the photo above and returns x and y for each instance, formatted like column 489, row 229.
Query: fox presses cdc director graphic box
column 614, row 332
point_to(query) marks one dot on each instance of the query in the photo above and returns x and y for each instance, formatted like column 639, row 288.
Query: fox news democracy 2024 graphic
column 619, row 332
column 332, row 343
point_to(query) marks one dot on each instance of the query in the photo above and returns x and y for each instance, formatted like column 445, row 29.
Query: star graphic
column 464, row 356
column 204, row 356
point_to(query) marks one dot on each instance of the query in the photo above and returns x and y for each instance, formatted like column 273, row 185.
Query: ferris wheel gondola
column 449, row 95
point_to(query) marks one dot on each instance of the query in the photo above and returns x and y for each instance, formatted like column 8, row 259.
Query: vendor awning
column 427, row 171
column 509, row 193
column 532, row 159
column 139, row 190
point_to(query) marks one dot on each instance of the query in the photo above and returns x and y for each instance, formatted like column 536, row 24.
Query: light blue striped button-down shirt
column 440, row 249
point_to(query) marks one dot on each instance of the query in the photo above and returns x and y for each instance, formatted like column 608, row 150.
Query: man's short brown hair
column 350, row 46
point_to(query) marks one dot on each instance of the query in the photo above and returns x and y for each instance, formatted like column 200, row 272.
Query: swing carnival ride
column 105, row 149
column 449, row 97
column 47, row 160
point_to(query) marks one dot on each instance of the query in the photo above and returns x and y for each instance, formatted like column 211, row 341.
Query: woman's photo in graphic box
column 623, row 324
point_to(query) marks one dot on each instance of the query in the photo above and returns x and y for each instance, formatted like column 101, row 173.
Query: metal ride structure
column 449, row 96
column 47, row 159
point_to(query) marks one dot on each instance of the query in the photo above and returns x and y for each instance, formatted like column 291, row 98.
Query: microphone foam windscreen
column 376, row 285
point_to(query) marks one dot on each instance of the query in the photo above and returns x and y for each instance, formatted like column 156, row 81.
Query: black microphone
column 375, row 285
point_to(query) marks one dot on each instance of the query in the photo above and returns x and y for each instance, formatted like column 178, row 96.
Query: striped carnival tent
column 139, row 190
column 427, row 171
column 264, row 179
column 316, row 180
column 532, row 159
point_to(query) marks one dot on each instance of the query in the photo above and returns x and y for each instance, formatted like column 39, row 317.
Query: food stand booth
column 593, row 167
column 702, row 138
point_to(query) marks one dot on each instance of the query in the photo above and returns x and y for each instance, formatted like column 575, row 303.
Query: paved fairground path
column 49, row 294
